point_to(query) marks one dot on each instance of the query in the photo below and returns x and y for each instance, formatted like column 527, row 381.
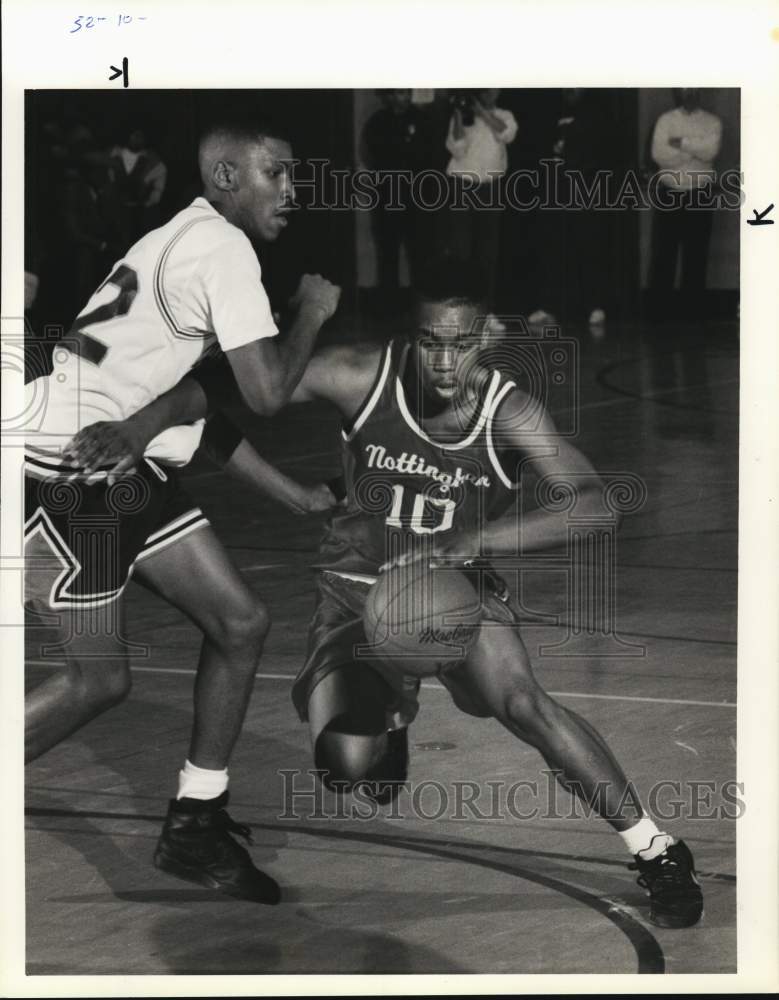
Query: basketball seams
column 411, row 608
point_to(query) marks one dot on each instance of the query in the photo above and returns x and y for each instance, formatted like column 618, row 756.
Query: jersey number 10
column 420, row 509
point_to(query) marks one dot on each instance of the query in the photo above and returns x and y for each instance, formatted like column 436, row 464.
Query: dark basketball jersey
column 405, row 490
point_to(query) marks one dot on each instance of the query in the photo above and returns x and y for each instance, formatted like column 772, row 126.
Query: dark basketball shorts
column 82, row 539
column 336, row 632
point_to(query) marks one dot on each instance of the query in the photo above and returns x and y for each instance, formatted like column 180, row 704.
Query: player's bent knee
column 117, row 686
column 102, row 684
column 525, row 708
column 241, row 625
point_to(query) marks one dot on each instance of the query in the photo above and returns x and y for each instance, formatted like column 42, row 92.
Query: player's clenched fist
column 316, row 292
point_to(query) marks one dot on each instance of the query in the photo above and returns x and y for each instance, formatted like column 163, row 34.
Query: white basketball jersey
column 183, row 291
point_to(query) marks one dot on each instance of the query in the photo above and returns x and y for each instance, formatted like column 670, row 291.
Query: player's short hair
column 452, row 280
column 243, row 128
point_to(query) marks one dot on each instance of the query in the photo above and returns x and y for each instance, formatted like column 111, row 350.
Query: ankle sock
column 200, row 782
column 645, row 839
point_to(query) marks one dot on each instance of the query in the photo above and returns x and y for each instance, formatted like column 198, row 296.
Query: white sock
column 201, row 782
column 645, row 839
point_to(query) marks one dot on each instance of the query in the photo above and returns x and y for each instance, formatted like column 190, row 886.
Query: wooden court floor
column 432, row 885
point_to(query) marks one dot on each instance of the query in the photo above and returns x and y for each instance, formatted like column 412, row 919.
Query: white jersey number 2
column 420, row 508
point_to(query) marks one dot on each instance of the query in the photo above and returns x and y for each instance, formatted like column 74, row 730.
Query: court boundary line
column 189, row 672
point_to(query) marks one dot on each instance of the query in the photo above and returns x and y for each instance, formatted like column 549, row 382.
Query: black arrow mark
column 760, row 217
column 125, row 74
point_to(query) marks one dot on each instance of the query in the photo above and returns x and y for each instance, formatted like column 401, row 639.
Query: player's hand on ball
column 111, row 443
column 460, row 549
column 457, row 549
column 404, row 559
column 318, row 294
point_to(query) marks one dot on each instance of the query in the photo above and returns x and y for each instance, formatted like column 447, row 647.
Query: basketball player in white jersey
column 433, row 446
column 189, row 289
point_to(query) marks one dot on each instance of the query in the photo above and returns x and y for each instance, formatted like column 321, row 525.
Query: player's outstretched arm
column 268, row 370
column 340, row 374
column 121, row 444
column 226, row 445
column 531, row 436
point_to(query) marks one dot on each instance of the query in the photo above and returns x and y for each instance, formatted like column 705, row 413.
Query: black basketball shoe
column 675, row 894
column 195, row 844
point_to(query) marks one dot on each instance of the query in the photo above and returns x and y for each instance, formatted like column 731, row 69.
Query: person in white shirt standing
column 685, row 143
column 479, row 133
column 141, row 176
column 189, row 289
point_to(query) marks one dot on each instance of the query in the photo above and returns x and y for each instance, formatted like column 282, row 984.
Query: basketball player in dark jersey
column 431, row 440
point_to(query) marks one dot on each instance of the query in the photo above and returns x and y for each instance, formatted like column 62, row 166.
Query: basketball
column 421, row 620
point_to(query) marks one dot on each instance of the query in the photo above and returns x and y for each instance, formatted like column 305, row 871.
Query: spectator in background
column 685, row 143
column 141, row 178
column 31, row 283
column 91, row 227
column 479, row 133
column 392, row 141
column 48, row 156
column 575, row 240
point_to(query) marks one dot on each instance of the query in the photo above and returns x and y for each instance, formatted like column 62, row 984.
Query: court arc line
column 602, row 380
column 649, row 954
column 626, row 397
column 188, row 672
column 475, row 845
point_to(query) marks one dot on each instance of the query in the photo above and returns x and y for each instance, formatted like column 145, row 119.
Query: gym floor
column 431, row 885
